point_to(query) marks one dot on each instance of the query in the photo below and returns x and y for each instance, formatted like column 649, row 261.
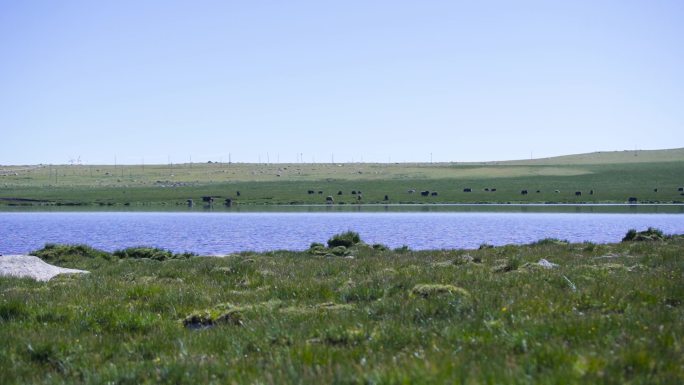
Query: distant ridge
column 606, row 157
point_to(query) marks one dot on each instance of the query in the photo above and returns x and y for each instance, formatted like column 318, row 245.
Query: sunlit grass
column 606, row 314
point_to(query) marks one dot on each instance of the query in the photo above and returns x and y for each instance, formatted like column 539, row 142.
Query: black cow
column 237, row 193
column 425, row 193
column 386, row 197
column 538, row 191
column 486, row 189
column 320, row 192
column 339, row 192
column 591, row 192
column 310, row 192
column 229, row 202
column 329, row 200
column 353, row 192
column 523, row 192
column 492, row 190
column 632, row 200
column 655, row 190
column 208, row 199
column 578, row 193
column 680, row 189
column 434, row 193
column 467, row 189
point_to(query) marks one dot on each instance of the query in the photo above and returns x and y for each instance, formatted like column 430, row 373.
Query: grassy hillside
column 607, row 314
column 613, row 177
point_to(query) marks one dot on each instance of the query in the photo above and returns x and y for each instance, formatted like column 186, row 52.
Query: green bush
column 380, row 247
column 150, row 253
column 55, row 253
column 550, row 241
column 651, row 234
column 346, row 239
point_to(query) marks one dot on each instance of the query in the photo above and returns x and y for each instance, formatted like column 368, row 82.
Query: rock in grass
column 546, row 264
column 427, row 290
column 209, row 318
column 32, row 267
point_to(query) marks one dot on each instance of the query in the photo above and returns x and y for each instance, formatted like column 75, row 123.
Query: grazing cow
column 591, row 192
column 467, row 189
column 339, row 192
column 386, row 197
column 632, row 200
column 425, row 193
column 578, row 193
column 190, row 202
column 229, row 202
column 237, row 193
column 208, row 199
column 353, row 192
column 329, row 200
column 434, row 193
column 523, row 192
column 320, row 192
column 538, row 191
column 486, row 189
column 557, row 191
column 492, row 190
column 310, row 192
column 680, row 189
column 358, row 197
column 655, row 190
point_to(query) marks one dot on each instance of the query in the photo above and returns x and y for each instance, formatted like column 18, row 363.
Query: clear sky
column 371, row 81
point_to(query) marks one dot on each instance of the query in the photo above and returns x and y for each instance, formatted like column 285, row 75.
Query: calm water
column 221, row 233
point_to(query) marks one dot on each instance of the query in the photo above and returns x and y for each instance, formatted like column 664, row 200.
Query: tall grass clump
column 346, row 239
column 150, row 253
column 650, row 234
column 57, row 253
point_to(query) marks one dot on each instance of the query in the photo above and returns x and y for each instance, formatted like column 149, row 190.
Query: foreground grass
column 607, row 314
column 651, row 176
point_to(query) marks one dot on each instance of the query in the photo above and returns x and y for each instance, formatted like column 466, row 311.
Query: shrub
column 150, row 253
column 402, row 249
column 380, row 247
column 631, row 234
column 651, row 234
column 54, row 253
column 550, row 241
column 317, row 249
column 339, row 250
column 346, row 239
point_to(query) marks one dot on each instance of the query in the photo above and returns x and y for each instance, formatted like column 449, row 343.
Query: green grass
column 608, row 314
column 614, row 177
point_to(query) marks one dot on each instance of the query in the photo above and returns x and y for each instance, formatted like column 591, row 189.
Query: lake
column 217, row 233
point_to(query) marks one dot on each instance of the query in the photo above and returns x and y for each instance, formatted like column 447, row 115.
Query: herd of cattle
column 426, row 193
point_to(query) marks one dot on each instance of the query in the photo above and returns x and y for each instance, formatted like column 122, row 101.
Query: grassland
column 649, row 176
column 608, row 314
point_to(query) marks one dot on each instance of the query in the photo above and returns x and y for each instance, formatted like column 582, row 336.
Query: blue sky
column 371, row 81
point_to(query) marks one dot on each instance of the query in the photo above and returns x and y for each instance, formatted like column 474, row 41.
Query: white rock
column 32, row 267
column 546, row 264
